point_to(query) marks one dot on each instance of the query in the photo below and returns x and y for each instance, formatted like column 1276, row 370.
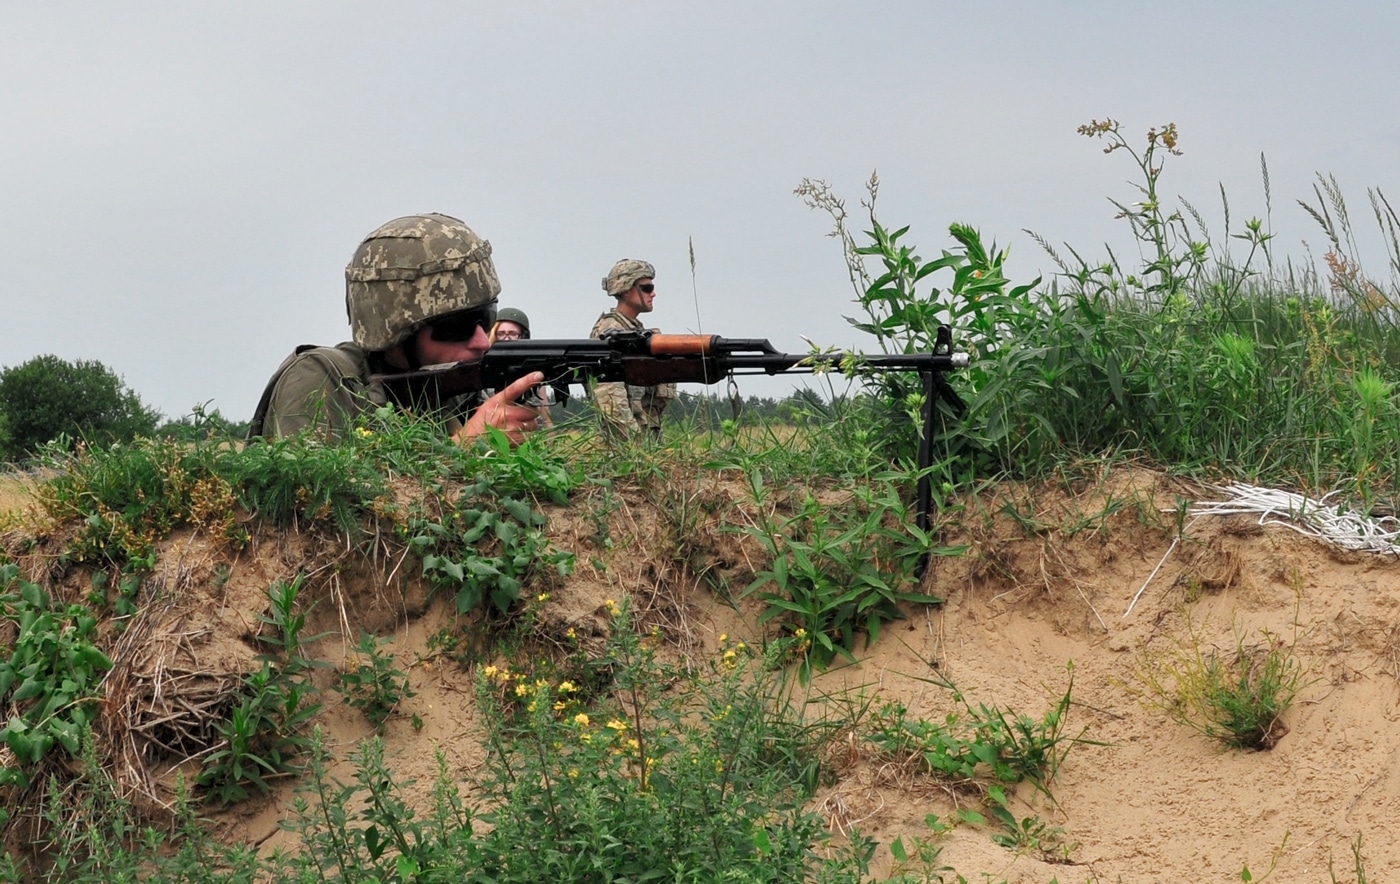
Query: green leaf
column 520, row 510
column 373, row 843
column 32, row 687
column 761, row 842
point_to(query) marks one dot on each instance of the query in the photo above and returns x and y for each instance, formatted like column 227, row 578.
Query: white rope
column 1331, row 522
column 1163, row 561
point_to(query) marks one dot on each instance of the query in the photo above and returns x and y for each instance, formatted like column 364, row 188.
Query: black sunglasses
column 456, row 328
column 647, row 287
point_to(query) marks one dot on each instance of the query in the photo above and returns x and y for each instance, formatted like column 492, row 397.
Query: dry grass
column 17, row 502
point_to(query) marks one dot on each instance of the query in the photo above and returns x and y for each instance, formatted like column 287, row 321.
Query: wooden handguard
column 680, row 345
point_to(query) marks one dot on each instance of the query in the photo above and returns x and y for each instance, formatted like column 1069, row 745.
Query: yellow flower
column 573, row 773
column 522, row 689
column 723, row 637
column 618, row 725
column 559, row 706
column 364, row 432
column 490, row 671
column 566, row 686
column 581, row 720
column 542, row 597
column 634, row 745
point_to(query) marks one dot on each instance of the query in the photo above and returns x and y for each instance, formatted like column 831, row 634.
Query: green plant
column 287, row 620
column 1002, row 325
column 679, row 776
column 264, row 731
column 837, row 572
column 1358, row 864
column 299, row 478
column 981, row 742
column 1028, row 834
column 1237, row 696
column 704, row 779
column 89, row 834
column 925, row 865
column 372, row 683
column 486, row 546
column 129, row 496
column 50, row 680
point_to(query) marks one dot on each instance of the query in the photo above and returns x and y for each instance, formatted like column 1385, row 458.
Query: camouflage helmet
column 624, row 274
column 511, row 314
column 412, row 270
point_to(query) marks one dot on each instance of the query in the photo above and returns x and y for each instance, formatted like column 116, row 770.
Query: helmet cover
column 411, row 270
column 625, row 273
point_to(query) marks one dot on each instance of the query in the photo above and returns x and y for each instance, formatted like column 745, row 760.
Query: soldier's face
column 508, row 331
column 435, row 352
column 642, row 295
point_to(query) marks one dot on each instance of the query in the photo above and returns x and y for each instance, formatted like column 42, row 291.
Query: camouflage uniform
column 404, row 275
column 324, row 387
column 629, row 406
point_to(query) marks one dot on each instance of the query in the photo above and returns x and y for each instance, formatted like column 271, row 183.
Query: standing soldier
column 629, row 407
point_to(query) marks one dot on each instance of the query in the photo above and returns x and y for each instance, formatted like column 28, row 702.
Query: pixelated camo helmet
column 625, row 273
column 412, row 270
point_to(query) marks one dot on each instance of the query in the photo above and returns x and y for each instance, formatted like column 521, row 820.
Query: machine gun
column 648, row 358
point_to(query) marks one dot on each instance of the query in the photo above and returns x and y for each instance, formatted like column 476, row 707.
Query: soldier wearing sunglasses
column 629, row 407
column 420, row 290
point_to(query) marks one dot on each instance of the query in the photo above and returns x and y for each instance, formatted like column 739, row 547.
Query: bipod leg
column 923, row 491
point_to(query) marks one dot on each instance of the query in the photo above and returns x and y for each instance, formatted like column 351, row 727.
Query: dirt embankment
column 1049, row 580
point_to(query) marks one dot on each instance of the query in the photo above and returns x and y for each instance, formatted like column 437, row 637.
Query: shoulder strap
column 343, row 362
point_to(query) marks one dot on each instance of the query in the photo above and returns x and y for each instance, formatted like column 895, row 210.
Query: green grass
column 1236, row 695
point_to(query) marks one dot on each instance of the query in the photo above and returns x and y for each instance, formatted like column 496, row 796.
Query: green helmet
column 511, row 314
column 412, row 270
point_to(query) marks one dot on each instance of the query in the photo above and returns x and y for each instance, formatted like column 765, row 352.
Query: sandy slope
column 1155, row 802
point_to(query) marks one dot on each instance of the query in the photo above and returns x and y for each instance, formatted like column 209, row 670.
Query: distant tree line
column 49, row 399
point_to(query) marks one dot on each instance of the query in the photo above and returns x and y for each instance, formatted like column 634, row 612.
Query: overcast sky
column 182, row 184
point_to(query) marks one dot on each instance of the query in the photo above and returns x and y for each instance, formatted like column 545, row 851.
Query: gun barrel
column 641, row 358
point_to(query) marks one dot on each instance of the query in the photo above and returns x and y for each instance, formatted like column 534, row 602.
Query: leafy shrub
column 372, row 684
column 49, row 682
column 129, row 495
column 837, row 572
column 981, row 742
column 47, row 398
column 491, row 541
column 1237, row 696
column 264, row 731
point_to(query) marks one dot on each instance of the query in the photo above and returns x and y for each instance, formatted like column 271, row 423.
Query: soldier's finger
column 520, row 386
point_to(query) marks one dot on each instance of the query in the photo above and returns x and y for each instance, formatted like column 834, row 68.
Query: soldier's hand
column 502, row 412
